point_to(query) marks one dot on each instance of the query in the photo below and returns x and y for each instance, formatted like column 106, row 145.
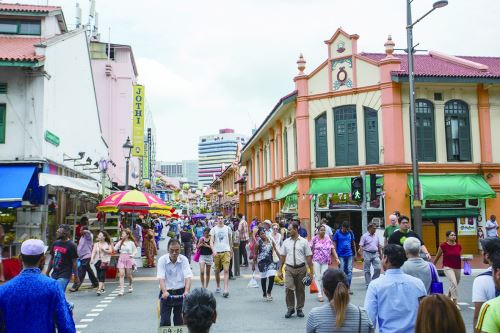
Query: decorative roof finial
column 301, row 64
column 389, row 46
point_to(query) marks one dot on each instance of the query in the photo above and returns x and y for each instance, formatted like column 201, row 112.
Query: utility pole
column 364, row 209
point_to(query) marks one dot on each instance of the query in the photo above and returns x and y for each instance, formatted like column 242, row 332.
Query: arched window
column 426, row 138
column 321, row 141
column 457, row 124
column 346, row 135
column 371, row 136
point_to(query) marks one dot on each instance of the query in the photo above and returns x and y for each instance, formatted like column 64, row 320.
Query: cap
column 32, row 247
column 491, row 244
column 268, row 222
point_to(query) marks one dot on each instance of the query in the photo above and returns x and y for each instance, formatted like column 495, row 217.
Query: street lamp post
column 244, row 183
column 127, row 149
column 417, row 199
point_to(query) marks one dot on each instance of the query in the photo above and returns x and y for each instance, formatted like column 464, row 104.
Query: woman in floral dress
column 264, row 259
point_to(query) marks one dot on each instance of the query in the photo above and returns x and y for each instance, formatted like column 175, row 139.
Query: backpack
column 490, row 273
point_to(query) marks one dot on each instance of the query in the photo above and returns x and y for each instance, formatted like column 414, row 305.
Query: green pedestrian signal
column 357, row 189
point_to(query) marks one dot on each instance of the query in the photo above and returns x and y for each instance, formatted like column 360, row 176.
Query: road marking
column 106, row 301
column 92, row 314
column 96, row 310
column 81, row 326
column 102, row 305
column 109, row 297
column 87, row 320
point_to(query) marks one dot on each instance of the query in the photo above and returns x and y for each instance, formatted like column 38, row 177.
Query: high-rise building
column 171, row 169
column 190, row 170
column 217, row 150
column 184, row 171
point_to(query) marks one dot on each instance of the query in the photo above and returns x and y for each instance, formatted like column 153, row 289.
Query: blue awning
column 14, row 180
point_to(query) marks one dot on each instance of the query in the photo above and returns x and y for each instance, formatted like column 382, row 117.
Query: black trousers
column 83, row 270
column 243, row 253
column 167, row 306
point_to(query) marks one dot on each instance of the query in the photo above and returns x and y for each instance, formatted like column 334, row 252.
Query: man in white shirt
column 492, row 227
column 220, row 241
column 175, row 276
column 483, row 287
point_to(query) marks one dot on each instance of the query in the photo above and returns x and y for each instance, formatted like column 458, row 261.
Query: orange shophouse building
column 351, row 113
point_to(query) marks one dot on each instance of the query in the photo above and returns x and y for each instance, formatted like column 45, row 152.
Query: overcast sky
column 225, row 63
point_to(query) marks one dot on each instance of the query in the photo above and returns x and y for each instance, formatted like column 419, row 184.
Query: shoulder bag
column 436, row 285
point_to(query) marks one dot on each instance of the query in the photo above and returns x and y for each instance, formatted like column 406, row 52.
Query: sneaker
column 120, row 293
column 300, row 313
column 289, row 313
column 218, row 290
column 269, row 298
column 130, row 289
column 99, row 292
column 225, row 295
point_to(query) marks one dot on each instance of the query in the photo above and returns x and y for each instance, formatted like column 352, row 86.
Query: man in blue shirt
column 33, row 302
column 392, row 300
column 344, row 243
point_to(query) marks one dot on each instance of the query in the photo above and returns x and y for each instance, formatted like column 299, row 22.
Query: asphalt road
column 243, row 311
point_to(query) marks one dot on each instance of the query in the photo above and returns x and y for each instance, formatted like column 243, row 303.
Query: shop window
column 321, row 141
column 20, row 27
column 371, row 136
column 426, row 141
column 346, row 135
column 456, row 117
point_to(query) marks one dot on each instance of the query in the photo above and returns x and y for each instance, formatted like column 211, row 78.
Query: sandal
column 120, row 293
column 269, row 298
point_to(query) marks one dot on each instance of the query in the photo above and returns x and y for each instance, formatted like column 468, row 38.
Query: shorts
column 124, row 261
column 208, row 259
column 222, row 260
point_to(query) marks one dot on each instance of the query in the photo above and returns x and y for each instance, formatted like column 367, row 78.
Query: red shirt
column 451, row 255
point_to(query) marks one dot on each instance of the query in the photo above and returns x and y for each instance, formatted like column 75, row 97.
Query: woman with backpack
column 343, row 241
column 323, row 252
column 264, row 258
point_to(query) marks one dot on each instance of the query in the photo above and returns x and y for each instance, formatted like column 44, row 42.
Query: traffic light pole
column 364, row 209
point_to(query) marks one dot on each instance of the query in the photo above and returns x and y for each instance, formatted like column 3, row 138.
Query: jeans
column 346, row 267
column 63, row 283
column 188, row 250
column 243, row 253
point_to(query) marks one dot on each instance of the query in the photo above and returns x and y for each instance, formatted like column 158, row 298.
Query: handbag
column 197, row 255
column 467, row 268
column 104, row 265
column 313, row 289
column 436, row 285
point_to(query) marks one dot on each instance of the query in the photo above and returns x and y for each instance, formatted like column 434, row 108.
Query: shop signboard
column 138, row 121
column 145, row 162
column 466, row 226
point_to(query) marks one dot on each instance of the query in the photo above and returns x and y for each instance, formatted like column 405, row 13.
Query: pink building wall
column 113, row 81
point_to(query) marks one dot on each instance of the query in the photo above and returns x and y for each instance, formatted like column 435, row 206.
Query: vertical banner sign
column 138, row 121
column 145, row 162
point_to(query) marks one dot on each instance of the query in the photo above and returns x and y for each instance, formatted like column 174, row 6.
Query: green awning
column 453, row 187
column 286, row 190
column 330, row 185
column 451, row 213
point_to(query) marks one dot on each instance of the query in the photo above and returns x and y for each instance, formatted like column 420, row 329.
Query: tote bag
column 436, row 285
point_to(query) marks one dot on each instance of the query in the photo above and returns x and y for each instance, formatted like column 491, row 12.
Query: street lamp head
column 440, row 4
column 127, row 147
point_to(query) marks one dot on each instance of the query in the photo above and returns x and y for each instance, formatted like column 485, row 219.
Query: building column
column 271, row 156
column 483, row 105
column 303, row 203
column 279, row 173
column 302, row 118
column 254, row 169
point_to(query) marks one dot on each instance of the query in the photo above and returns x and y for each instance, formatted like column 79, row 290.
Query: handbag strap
column 359, row 324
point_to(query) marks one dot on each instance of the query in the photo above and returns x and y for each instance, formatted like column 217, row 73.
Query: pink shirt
column 322, row 249
column 369, row 242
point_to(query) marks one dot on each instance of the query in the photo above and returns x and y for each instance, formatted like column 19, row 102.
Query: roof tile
column 18, row 49
column 15, row 7
column 428, row 65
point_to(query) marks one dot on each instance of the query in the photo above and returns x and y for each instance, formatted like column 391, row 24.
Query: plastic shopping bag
column 467, row 268
column 253, row 282
column 313, row 289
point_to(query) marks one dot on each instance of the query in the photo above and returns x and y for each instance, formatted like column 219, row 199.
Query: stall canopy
column 79, row 184
column 453, row 187
column 14, row 180
column 286, row 190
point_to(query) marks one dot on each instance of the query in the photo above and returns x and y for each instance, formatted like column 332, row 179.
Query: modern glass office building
column 216, row 151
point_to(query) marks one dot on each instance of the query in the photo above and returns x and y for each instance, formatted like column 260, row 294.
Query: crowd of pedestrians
column 402, row 285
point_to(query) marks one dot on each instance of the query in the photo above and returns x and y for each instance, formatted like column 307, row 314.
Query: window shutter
column 371, row 136
column 352, row 142
column 2, row 123
column 340, row 142
column 464, row 141
column 449, row 140
column 321, row 142
column 426, row 141
column 346, row 135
